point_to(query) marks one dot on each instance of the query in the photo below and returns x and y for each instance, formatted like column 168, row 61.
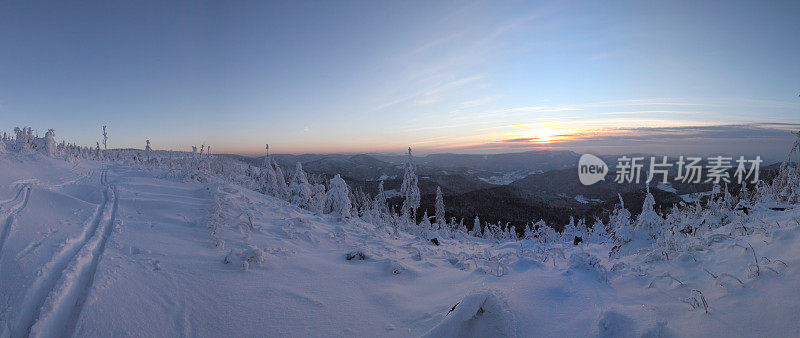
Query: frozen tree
column 22, row 142
column 299, row 188
column 97, row 152
column 318, row 197
column 105, row 138
column 425, row 224
column 269, row 180
column 283, row 189
column 440, row 218
column 338, row 201
column 147, row 150
column 380, row 209
column 3, row 144
column 544, row 233
column 649, row 223
column 528, row 231
column 489, row 231
column 598, row 234
column 620, row 223
column 476, row 228
column 461, row 227
column 570, row 231
column 50, row 146
column 409, row 189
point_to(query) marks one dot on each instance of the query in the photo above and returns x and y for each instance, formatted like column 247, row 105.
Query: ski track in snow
column 17, row 205
column 54, row 301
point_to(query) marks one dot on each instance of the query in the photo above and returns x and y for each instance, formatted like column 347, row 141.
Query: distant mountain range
column 512, row 187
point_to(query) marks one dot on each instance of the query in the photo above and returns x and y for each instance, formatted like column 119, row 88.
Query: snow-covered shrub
column 482, row 314
column 545, row 233
column 588, row 262
column 252, row 256
column 696, row 300
column 338, row 199
column 356, row 254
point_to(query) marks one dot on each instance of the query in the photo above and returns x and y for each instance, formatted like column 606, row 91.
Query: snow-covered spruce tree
column 338, row 201
column 50, row 146
column 409, row 189
column 22, row 143
column 379, row 207
column 269, row 180
column 97, row 152
column 299, row 189
column 318, row 198
column 283, row 189
column 147, row 150
column 570, row 231
column 649, row 224
column 598, row 232
column 105, row 138
column 528, row 233
column 461, row 228
column 476, row 228
column 620, row 223
column 441, row 221
column 545, row 233
column 425, row 223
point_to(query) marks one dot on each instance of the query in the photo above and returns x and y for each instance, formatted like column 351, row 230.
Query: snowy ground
column 100, row 249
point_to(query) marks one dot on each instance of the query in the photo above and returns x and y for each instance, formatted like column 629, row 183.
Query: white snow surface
column 99, row 249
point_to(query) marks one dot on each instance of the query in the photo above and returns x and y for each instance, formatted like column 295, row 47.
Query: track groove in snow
column 58, row 279
column 18, row 204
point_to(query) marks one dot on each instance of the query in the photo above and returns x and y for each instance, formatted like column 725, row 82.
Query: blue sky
column 450, row 76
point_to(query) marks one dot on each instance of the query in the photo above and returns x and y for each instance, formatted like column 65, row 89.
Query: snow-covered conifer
column 283, row 189
column 649, row 223
column 425, row 223
column 570, row 231
column 147, row 150
column 318, row 197
column 620, row 223
column 50, row 146
column 409, row 189
column 338, row 202
column 105, row 138
column 528, row 231
column 379, row 206
column 299, row 188
column 476, row 228
column 598, row 233
column 461, row 227
column 440, row 218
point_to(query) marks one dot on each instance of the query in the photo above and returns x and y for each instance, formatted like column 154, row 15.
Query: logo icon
column 591, row 169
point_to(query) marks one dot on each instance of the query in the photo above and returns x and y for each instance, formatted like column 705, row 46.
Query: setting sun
column 544, row 135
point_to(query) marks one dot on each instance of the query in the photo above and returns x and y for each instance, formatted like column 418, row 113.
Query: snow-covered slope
column 92, row 248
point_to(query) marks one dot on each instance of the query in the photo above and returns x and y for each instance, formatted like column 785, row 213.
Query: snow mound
column 481, row 314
